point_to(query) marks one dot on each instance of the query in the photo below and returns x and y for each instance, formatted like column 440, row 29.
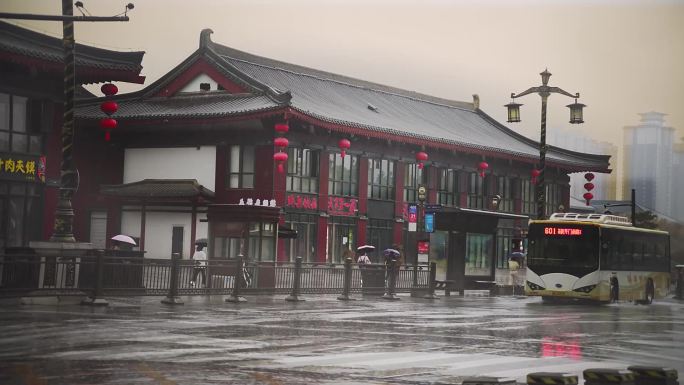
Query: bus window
column 625, row 250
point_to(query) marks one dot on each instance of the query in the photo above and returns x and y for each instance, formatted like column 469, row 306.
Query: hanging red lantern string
column 483, row 166
column 281, row 143
column 282, row 128
column 589, row 176
column 589, row 186
column 535, row 174
column 588, row 197
column 109, row 107
column 108, row 124
column 280, row 157
column 420, row 158
column 344, row 145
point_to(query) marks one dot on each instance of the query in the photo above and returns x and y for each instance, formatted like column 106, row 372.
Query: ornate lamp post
column 514, row 117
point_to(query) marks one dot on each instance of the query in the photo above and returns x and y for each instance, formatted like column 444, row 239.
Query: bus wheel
column 650, row 292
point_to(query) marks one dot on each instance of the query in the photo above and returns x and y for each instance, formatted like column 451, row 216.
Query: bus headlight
column 534, row 286
column 585, row 289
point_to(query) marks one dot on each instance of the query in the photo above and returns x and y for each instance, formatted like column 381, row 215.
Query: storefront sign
column 342, row 206
column 257, row 202
column 302, row 202
column 412, row 217
column 423, row 251
column 28, row 168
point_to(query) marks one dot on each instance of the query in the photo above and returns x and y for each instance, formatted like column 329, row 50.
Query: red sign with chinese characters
column 305, row 202
column 342, row 206
column 423, row 247
column 562, row 231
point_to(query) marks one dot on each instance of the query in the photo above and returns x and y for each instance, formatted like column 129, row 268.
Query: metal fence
column 106, row 275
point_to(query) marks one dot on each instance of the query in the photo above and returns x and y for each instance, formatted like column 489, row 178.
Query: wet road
column 325, row 341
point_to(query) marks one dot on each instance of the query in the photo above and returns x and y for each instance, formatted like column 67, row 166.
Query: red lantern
column 589, row 186
column 588, row 197
column 344, row 145
column 535, row 173
column 420, row 158
column 589, row 176
column 282, row 128
column 281, row 143
column 109, row 89
column 109, row 107
column 483, row 166
column 280, row 157
column 108, row 124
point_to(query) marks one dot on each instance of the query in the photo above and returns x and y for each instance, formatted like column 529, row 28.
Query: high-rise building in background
column 606, row 185
column 648, row 163
column 678, row 182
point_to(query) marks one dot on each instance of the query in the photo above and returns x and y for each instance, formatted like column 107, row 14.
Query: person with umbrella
column 364, row 260
column 200, row 258
column 390, row 255
column 123, row 242
column 515, row 261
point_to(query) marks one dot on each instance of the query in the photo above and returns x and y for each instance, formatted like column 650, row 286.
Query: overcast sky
column 623, row 57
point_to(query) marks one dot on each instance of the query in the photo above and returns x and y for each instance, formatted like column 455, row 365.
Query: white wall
column 194, row 84
column 159, row 230
column 171, row 163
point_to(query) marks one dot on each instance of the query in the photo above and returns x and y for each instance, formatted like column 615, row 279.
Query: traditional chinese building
column 213, row 125
column 31, row 98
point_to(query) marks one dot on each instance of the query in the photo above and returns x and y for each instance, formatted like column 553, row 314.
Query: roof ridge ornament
column 205, row 37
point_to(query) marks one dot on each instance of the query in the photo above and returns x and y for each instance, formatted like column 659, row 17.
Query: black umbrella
column 201, row 241
column 516, row 255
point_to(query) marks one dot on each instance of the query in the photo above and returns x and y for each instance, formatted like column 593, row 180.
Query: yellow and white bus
column 596, row 257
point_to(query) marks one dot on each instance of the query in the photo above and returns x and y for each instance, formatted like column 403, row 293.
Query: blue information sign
column 429, row 222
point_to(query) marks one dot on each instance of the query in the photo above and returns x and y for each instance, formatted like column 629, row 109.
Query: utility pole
column 69, row 180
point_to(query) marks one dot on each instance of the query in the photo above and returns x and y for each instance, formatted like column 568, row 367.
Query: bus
column 596, row 257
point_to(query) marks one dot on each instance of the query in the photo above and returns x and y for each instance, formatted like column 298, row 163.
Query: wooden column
column 322, row 230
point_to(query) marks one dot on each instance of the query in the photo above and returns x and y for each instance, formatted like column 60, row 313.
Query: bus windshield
column 565, row 245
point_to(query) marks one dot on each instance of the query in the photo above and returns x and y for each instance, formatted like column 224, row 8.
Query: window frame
column 345, row 181
column 240, row 172
column 303, row 165
column 384, row 171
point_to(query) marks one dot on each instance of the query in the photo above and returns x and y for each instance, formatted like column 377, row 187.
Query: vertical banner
column 429, row 222
column 413, row 218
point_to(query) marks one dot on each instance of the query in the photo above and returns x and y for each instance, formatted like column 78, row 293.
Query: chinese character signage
column 302, row 202
column 342, row 206
column 30, row 168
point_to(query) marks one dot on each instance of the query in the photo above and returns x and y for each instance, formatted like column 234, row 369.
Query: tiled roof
column 351, row 102
column 195, row 105
column 23, row 45
column 159, row 189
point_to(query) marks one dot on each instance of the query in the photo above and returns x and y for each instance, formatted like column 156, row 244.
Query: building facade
column 354, row 171
column 606, row 185
column 648, row 163
column 31, row 98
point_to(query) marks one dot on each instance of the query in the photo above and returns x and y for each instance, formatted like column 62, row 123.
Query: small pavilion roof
column 26, row 47
column 159, row 190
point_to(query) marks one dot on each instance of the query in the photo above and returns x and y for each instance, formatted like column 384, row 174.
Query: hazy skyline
column 624, row 58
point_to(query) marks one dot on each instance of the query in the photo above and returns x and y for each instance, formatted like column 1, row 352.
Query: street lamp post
column 514, row 117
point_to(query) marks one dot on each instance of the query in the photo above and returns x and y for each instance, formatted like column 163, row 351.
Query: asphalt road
column 326, row 341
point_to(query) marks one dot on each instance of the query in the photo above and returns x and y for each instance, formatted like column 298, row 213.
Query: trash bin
column 373, row 279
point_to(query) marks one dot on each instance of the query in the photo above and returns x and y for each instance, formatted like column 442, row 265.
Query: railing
column 31, row 275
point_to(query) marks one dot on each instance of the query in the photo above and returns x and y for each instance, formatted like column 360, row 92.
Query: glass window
column 302, row 170
column 343, row 177
column 380, row 234
column 23, row 204
column 241, row 167
column 381, row 179
column 553, row 197
column 413, row 177
column 479, row 254
column 14, row 135
column 528, row 197
column 448, row 190
column 305, row 244
column 505, row 191
column 477, row 191
column 341, row 237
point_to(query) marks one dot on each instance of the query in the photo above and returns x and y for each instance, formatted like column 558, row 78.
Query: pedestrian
column 200, row 258
column 515, row 261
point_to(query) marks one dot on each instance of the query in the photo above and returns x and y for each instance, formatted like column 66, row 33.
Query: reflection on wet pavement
column 325, row 341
